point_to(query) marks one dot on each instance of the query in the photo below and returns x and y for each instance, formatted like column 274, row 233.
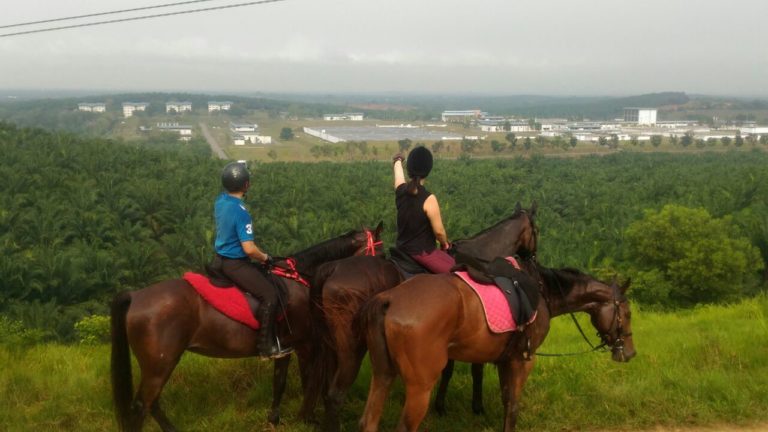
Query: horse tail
column 372, row 322
column 122, row 380
column 323, row 352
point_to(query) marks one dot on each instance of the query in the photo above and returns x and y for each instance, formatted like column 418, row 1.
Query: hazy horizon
column 553, row 48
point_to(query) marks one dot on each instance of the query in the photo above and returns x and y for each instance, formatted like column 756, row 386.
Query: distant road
column 212, row 142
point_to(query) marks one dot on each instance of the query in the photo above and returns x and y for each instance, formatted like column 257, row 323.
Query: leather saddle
column 519, row 288
column 407, row 266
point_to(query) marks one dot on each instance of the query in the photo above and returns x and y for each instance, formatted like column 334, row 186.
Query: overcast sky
column 550, row 47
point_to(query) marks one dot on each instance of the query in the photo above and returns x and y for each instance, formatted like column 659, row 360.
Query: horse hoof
column 478, row 410
column 440, row 410
column 274, row 418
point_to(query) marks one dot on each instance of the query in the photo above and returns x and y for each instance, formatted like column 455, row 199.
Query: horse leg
column 442, row 389
column 512, row 378
column 148, row 394
column 159, row 415
column 279, row 378
column 374, row 405
column 155, row 371
column 308, row 402
column 348, row 365
column 419, row 381
column 477, row 388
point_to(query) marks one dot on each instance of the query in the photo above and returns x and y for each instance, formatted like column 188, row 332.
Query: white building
column 461, row 116
column 219, row 106
column 255, row 138
column 641, row 116
column 243, row 127
column 238, row 140
column 553, row 124
column 344, row 116
column 323, row 135
column 130, row 107
column 184, row 131
column 92, row 107
column 501, row 125
column 178, row 107
column 757, row 131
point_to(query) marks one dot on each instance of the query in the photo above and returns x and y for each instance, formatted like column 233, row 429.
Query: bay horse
column 162, row 321
column 342, row 287
column 412, row 330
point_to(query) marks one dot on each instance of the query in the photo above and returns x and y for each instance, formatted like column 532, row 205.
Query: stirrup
column 276, row 352
column 281, row 352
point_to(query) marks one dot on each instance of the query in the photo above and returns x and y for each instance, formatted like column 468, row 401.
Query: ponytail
column 413, row 185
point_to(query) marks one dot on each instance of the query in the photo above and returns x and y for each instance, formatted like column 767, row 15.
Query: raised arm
column 398, row 170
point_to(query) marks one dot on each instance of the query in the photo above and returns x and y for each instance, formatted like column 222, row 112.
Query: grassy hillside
column 703, row 366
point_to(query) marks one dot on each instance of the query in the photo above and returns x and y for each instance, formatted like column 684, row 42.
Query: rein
column 289, row 273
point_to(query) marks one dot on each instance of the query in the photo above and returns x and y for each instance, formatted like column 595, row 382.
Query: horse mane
column 335, row 247
column 514, row 215
column 565, row 278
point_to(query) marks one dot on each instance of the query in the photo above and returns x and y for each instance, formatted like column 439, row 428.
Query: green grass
column 704, row 366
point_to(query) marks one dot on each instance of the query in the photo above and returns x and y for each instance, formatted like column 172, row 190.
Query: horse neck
column 572, row 293
column 495, row 241
column 329, row 250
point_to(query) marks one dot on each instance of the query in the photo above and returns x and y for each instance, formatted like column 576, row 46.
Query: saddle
column 407, row 266
column 520, row 290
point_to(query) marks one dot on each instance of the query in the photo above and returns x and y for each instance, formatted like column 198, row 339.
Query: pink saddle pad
column 230, row 301
column 497, row 313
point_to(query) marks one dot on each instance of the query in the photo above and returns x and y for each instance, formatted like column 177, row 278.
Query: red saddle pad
column 230, row 301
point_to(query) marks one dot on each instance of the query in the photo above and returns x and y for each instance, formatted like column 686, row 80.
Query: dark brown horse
column 413, row 329
column 160, row 322
column 341, row 288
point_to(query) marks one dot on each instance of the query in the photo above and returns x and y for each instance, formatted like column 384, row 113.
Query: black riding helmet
column 235, row 177
column 419, row 162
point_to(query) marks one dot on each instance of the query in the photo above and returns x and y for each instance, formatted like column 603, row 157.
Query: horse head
column 612, row 319
column 516, row 234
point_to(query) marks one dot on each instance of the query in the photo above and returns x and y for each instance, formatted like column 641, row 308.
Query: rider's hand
column 268, row 262
column 398, row 157
column 446, row 246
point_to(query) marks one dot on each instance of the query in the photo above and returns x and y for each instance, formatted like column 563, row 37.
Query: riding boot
column 267, row 343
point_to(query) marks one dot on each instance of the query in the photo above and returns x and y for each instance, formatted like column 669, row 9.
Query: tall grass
column 703, row 366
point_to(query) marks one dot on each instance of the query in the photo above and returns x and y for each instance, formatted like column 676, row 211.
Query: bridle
column 371, row 243
column 617, row 322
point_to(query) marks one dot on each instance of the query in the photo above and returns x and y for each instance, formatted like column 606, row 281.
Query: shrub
column 93, row 329
column 13, row 334
column 685, row 256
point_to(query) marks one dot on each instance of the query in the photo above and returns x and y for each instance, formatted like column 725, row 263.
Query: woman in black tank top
column 419, row 224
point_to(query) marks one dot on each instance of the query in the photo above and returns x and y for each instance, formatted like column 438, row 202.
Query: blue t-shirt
column 233, row 225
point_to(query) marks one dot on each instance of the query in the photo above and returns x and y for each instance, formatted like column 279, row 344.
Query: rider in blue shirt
column 235, row 248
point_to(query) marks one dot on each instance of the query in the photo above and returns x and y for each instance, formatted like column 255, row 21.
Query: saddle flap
column 405, row 263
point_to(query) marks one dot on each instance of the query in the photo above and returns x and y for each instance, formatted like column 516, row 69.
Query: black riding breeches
column 248, row 277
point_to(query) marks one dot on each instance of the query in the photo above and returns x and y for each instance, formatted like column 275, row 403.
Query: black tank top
column 414, row 231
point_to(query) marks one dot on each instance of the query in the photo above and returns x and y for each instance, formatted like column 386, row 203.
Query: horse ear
column 518, row 207
column 625, row 286
column 379, row 228
column 534, row 207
